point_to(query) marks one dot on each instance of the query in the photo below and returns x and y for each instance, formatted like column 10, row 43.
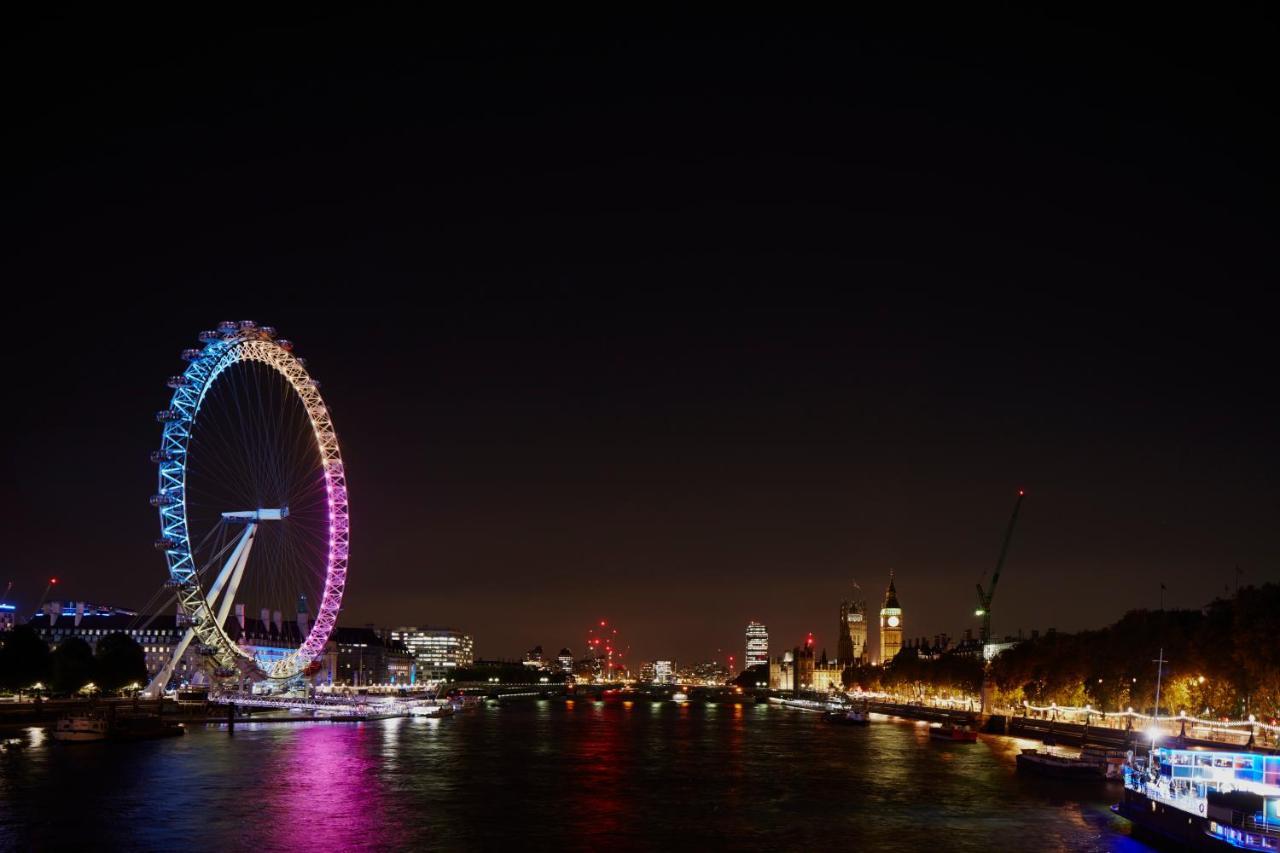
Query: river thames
column 549, row 774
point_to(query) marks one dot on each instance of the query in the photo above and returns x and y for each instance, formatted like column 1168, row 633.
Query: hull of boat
column 1082, row 771
column 79, row 736
column 1160, row 821
column 953, row 737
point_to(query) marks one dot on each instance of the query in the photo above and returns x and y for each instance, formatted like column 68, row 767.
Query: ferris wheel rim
column 235, row 344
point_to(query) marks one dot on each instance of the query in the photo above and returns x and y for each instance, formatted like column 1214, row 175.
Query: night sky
column 677, row 323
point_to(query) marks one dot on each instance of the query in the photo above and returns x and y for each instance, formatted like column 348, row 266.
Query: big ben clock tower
column 890, row 624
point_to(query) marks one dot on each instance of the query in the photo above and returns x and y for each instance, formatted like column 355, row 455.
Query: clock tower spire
column 890, row 624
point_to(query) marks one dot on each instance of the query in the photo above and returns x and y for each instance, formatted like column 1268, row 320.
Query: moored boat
column 953, row 734
column 851, row 717
column 1205, row 800
column 1038, row 763
column 80, row 728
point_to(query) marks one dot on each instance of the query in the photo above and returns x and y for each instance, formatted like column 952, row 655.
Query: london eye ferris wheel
column 253, row 507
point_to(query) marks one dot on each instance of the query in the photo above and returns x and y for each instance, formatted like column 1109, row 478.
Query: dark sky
column 680, row 323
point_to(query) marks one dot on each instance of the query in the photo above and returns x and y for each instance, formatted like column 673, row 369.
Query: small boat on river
column 80, row 728
column 432, row 711
column 850, row 717
column 1037, row 763
column 91, row 726
column 953, row 734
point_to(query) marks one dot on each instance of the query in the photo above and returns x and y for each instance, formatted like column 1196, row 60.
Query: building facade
column 565, row 661
column 436, row 651
column 890, row 624
column 852, row 648
column 757, row 645
column 361, row 657
column 664, row 672
column 353, row 656
column 793, row 670
column 157, row 635
column 828, row 677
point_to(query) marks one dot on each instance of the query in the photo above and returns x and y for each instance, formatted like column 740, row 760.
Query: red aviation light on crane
column 53, row 581
column 1021, row 492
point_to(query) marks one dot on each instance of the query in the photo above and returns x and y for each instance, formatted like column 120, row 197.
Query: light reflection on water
column 564, row 774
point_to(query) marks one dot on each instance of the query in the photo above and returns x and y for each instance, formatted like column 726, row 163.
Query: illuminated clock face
column 893, row 621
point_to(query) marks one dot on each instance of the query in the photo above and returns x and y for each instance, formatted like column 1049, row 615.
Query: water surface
column 575, row 775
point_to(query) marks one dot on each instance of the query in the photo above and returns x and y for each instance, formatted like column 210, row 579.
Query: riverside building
column 436, row 651
column 890, row 624
column 757, row 645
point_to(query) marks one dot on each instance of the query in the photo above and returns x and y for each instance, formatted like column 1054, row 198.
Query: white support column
column 224, row 610
column 232, row 561
column 233, row 569
column 156, row 687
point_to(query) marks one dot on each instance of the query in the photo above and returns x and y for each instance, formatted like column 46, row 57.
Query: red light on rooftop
column 53, row 580
column 1021, row 493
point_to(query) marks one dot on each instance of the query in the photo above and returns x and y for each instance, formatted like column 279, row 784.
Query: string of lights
column 1221, row 725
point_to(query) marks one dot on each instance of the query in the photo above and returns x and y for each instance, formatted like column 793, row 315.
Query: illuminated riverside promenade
column 1066, row 722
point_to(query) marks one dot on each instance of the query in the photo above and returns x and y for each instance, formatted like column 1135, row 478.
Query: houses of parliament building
column 853, row 647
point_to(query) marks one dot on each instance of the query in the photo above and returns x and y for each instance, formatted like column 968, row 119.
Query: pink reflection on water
column 323, row 793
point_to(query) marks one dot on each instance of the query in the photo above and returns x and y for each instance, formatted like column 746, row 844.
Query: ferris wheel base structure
column 233, row 344
column 225, row 585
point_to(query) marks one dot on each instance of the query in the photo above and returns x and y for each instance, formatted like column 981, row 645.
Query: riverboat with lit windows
column 93, row 726
column 80, row 728
column 1205, row 799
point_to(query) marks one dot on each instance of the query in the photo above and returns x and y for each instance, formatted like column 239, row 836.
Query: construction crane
column 45, row 595
column 985, row 595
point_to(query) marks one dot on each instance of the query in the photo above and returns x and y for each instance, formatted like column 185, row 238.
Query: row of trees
column 1221, row 661
column 25, row 660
